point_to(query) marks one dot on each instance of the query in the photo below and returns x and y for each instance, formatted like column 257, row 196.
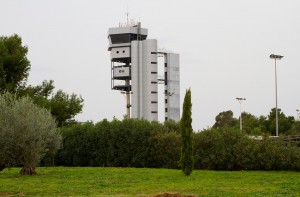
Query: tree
column 187, row 158
column 27, row 133
column 14, row 65
column 14, row 70
column 295, row 129
column 64, row 107
column 250, row 123
column 225, row 119
column 284, row 123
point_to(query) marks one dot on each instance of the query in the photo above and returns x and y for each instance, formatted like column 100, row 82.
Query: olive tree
column 27, row 133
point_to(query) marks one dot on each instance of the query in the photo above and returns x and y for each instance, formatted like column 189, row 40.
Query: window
column 125, row 38
column 153, row 112
column 153, row 82
column 166, row 100
column 153, row 53
column 166, row 109
column 123, row 51
column 153, row 72
column 166, row 91
column 166, row 78
column 153, row 92
column 166, row 64
column 153, row 101
column 166, row 118
column 153, row 62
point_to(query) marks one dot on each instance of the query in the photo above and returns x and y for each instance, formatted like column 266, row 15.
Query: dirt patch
column 172, row 195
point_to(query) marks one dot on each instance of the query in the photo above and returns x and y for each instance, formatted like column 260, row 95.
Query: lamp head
column 237, row 98
column 272, row 56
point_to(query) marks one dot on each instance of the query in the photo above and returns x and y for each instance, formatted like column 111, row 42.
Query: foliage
column 14, row 65
column 172, row 125
column 139, row 143
column 295, row 130
column 14, row 70
column 27, row 133
column 62, row 106
column 225, row 119
column 83, row 181
column 126, row 143
column 186, row 158
column 250, row 123
column 225, row 149
column 166, row 151
column 284, row 123
column 258, row 125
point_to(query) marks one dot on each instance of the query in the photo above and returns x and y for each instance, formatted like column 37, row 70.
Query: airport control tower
column 134, row 72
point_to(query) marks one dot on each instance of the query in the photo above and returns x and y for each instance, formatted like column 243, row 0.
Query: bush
column 126, row 143
column 229, row 150
column 139, row 143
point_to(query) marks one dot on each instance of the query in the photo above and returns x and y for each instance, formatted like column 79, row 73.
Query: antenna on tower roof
column 127, row 14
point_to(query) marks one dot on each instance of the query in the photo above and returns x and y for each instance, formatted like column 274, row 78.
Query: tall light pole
column 240, row 101
column 297, row 110
column 276, row 57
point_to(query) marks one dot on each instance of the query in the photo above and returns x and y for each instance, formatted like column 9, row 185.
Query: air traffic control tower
column 134, row 72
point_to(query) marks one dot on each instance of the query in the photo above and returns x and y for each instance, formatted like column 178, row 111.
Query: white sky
column 224, row 49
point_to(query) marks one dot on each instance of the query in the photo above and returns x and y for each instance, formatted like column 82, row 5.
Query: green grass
column 69, row 181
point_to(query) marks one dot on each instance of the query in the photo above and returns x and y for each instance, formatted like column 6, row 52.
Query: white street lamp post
column 275, row 57
column 240, row 101
column 297, row 117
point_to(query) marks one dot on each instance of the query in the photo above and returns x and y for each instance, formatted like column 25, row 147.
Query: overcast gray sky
column 224, row 49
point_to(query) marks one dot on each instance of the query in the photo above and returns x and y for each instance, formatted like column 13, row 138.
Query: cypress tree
column 187, row 158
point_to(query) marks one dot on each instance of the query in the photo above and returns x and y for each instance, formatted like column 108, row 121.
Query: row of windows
column 125, row 38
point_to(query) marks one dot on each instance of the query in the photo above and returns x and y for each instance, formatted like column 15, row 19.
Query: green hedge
column 127, row 143
column 229, row 150
column 139, row 143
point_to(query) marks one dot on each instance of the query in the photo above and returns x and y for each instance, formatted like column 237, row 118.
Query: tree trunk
column 2, row 167
column 28, row 171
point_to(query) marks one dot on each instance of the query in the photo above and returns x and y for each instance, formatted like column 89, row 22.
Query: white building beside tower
column 134, row 71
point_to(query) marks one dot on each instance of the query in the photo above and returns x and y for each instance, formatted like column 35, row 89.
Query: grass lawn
column 72, row 181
